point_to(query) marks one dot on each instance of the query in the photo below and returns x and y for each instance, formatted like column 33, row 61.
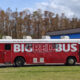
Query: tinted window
column 7, row 46
column 55, row 46
column 28, row 45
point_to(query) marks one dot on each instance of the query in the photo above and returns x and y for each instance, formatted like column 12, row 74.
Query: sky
column 69, row 7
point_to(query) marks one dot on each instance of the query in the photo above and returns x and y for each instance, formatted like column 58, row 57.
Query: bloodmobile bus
column 39, row 51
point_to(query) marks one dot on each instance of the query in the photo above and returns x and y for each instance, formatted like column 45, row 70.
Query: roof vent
column 46, row 37
column 65, row 37
column 27, row 37
column 6, row 37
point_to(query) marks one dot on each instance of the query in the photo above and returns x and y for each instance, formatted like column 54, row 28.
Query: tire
column 19, row 62
column 71, row 61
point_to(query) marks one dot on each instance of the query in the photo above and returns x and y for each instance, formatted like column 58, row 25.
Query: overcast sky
column 69, row 7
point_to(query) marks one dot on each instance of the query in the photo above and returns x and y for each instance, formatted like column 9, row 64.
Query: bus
column 39, row 51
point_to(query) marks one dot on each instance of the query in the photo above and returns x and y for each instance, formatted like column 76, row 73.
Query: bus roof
column 39, row 40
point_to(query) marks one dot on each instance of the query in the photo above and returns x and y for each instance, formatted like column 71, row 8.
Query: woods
column 25, row 23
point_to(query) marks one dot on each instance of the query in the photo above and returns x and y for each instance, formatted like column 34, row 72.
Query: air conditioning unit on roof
column 27, row 37
column 6, row 37
column 65, row 37
column 46, row 37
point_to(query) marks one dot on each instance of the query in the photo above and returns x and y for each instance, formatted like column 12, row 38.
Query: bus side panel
column 1, row 53
column 42, row 54
column 14, row 54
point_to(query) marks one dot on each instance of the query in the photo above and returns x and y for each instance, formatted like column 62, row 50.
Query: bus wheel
column 19, row 61
column 71, row 61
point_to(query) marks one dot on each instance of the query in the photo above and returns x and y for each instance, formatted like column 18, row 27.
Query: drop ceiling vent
column 6, row 37
column 27, row 37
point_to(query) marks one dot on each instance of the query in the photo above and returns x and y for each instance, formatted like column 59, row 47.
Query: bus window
column 55, row 46
column 7, row 46
column 28, row 45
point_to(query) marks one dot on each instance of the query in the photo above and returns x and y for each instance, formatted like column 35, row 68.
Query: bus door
column 7, row 53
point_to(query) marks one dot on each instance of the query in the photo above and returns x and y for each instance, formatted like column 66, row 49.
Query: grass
column 40, row 73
